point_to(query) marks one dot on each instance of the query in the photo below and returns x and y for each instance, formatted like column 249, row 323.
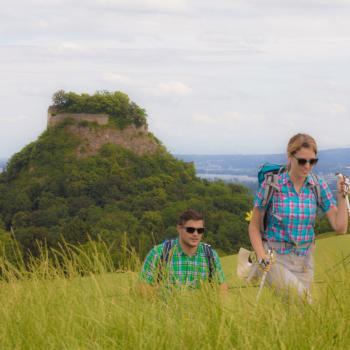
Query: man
column 185, row 261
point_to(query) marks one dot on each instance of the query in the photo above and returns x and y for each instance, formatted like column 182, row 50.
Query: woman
column 290, row 218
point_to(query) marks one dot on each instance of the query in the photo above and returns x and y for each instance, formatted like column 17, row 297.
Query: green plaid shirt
column 181, row 269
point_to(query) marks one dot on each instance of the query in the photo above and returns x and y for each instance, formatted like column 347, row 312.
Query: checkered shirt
column 181, row 269
column 291, row 216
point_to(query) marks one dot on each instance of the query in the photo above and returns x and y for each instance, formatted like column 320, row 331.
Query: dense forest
column 48, row 194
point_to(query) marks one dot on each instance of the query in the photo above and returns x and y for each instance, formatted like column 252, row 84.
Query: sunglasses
column 303, row 161
column 191, row 230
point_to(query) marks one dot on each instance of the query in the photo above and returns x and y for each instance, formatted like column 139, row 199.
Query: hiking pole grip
column 346, row 189
column 347, row 203
column 271, row 260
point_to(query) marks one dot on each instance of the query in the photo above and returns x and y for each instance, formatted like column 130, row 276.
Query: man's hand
column 223, row 289
column 145, row 289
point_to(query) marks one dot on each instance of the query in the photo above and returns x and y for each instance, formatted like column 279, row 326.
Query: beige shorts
column 290, row 271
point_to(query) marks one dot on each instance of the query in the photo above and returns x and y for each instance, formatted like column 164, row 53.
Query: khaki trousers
column 290, row 271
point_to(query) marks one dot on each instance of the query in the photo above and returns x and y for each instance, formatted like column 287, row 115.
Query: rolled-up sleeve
column 219, row 273
column 327, row 199
column 259, row 196
column 150, row 267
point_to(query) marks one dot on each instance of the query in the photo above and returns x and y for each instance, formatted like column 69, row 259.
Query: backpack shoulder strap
column 271, row 181
column 164, row 258
column 271, row 186
column 167, row 245
column 316, row 189
column 269, row 189
column 208, row 250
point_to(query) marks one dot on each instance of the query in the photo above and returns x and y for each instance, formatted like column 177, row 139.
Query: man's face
column 186, row 237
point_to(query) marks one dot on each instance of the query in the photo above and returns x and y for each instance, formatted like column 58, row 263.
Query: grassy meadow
column 81, row 303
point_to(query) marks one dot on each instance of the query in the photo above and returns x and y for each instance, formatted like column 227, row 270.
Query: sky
column 215, row 77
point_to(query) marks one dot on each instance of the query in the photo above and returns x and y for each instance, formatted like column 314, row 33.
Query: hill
column 242, row 169
column 84, row 179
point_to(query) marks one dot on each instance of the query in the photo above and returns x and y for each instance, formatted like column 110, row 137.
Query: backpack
column 164, row 258
column 270, row 173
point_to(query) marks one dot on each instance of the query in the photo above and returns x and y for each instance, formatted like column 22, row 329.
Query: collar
column 180, row 251
column 310, row 180
column 286, row 178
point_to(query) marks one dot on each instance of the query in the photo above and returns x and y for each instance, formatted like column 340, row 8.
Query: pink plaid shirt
column 291, row 215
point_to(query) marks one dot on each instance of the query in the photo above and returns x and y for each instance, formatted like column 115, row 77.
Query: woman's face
column 302, row 162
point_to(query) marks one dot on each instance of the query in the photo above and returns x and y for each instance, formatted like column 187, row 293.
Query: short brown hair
column 189, row 214
column 299, row 141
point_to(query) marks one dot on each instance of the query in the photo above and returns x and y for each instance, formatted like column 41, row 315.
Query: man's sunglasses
column 191, row 230
column 303, row 161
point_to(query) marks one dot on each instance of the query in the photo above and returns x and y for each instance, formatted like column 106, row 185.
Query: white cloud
column 14, row 120
column 248, row 66
column 337, row 108
column 204, row 119
column 118, row 79
column 42, row 24
column 173, row 88
column 69, row 46
column 173, row 5
column 231, row 120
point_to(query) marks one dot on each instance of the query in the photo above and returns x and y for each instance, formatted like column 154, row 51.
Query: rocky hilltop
column 95, row 130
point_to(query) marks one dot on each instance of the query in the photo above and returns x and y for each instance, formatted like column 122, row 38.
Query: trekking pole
column 265, row 266
column 346, row 189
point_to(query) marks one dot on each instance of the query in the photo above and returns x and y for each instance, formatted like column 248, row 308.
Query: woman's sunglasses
column 303, row 161
column 191, row 230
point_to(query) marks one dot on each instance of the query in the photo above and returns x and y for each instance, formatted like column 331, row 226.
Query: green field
column 49, row 308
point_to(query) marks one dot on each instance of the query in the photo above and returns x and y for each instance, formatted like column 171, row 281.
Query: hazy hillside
column 243, row 168
column 3, row 162
column 330, row 161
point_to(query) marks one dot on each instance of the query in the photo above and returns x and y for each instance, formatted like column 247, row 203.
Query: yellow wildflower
column 248, row 215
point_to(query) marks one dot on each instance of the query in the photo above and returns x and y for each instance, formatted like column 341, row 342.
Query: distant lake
column 229, row 177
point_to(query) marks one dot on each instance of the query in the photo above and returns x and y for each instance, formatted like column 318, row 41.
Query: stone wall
column 137, row 140
column 53, row 118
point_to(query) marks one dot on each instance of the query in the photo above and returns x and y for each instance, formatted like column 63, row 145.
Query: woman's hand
column 339, row 216
column 343, row 185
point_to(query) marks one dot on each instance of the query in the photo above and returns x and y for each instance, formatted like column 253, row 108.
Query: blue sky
column 222, row 77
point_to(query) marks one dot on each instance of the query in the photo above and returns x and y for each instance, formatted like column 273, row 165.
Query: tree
column 59, row 98
column 116, row 104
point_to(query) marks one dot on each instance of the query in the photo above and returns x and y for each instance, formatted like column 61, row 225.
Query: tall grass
column 75, row 299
